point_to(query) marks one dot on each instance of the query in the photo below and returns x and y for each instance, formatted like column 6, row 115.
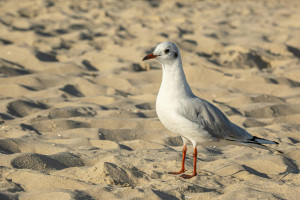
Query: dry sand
column 77, row 107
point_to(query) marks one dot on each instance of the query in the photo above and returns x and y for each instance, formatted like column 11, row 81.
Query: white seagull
column 191, row 117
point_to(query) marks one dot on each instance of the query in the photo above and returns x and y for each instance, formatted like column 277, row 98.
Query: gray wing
column 212, row 120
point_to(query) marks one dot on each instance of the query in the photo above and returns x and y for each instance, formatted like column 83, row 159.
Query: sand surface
column 77, row 108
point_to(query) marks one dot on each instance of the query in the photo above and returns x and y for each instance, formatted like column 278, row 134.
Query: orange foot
column 185, row 176
column 175, row 173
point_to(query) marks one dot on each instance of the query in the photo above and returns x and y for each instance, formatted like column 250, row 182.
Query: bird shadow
column 164, row 195
column 292, row 167
column 255, row 172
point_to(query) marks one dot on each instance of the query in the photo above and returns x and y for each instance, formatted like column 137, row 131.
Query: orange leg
column 195, row 166
column 183, row 160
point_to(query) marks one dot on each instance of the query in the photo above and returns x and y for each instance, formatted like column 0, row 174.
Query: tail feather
column 263, row 147
column 254, row 140
column 261, row 141
column 258, row 142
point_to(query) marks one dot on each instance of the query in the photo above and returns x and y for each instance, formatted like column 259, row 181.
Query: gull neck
column 174, row 83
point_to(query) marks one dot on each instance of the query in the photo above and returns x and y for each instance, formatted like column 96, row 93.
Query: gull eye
column 167, row 51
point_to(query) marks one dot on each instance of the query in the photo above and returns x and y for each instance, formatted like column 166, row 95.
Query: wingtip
column 263, row 141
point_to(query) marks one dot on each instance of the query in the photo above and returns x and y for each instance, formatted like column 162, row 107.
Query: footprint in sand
column 270, row 111
column 9, row 146
column 72, row 90
column 67, row 112
column 22, row 108
column 45, row 163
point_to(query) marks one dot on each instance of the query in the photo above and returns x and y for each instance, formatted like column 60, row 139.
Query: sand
column 77, row 109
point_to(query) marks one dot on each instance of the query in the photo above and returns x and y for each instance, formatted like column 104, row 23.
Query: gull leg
column 195, row 166
column 183, row 160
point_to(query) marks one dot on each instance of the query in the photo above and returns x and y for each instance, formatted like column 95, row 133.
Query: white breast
column 166, row 109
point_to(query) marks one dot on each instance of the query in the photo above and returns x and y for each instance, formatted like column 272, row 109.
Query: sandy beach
column 77, row 104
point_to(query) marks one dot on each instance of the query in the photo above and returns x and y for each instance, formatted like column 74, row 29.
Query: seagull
column 189, row 116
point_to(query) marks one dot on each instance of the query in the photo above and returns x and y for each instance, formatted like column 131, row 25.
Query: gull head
column 166, row 53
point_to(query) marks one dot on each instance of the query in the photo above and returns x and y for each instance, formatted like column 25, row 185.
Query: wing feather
column 211, row 119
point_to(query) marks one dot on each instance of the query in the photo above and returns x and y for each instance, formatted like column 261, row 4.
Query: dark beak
column 149, row 56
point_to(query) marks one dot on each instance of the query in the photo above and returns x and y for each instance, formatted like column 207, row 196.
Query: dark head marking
column 175, row 55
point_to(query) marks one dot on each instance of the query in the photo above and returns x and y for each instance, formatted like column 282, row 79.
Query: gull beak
column 149, row 56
